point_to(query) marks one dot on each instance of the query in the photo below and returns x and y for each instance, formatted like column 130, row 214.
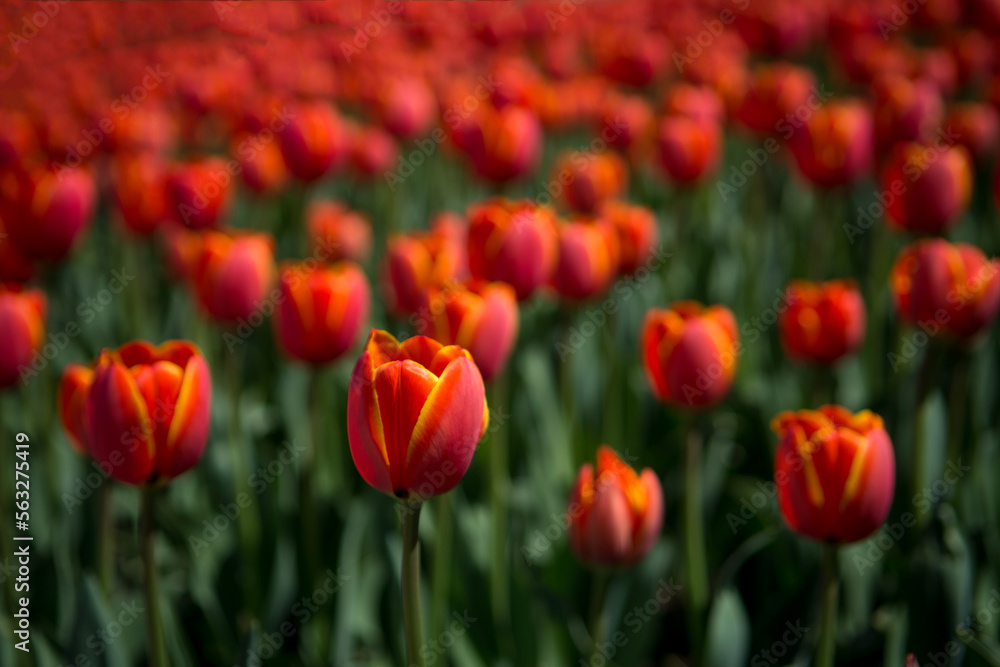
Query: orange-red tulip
column 314, row 141
column 513, row 242
column 140, row 191
column 321, row 310
column 636, row 229
column 415, row 261
column 502, row 144
column 690, row 353
column 200, row 192
column 933, row 187
column 977, row 127
column 261, row 164
column 479, row 316
column 405, row 106
column 589, row 179
column 689, row 149
column 615, row 516
column 835, row 473
column 22, row 321
column 823, row 322
column 47, row 212
column 627, row 124
column 697, row 102
column 415, row 412
column 232, row 273
column 905, row 110
column 940, row 286
column 336, row 232
column 373, row 151
column 836, row 145
column 18, row 139
column 588, row 259
column 142, row 412
column 777, row 96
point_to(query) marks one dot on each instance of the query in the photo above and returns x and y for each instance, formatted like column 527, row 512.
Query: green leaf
column 728, row 642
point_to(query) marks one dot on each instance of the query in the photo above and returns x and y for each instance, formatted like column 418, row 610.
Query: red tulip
column 512, row 242
column 373, row 151
column 627, row 124
column 143, row 412
column 689, row 149
column 232, row 273
column 977, row 126
column 776, row 93
column 22, row 321
column 405, row 106
column 690, row 353
column 696, row 102
column 632, row 57
column 314, row 141
column 823, row 321
column 501, row 144
column 940, row 286
column 413, row 262
column 588, row 259
column 336, row 232
column 46, row 213
column 200, row 192
column 589, row 179
column 835, row 473
column 616, row 516
column 905, row 110
column 15, row 266
column 18, row 139
column 478, row 316
column 935, row 185
column 836, row 145
column 261, row 164
column 415, row 412
column 636, row 229
column 140, row 192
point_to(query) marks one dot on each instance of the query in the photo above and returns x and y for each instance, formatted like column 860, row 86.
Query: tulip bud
column 336, row 232
column 637, row 232
column 689, row 150
column 822, row 322
column 140, row 192
column 589, row 178
column 588, row 259
column 616, row 516
column 940, row 286
column 513, row 242
column 415, row 412
column 835, row 473
column 46, row 213
column 690, row 353
column 321, row 310
column 200, row 192
column 478, row 316
column 143, row 412
column 938, row 186
column 314, row 141
column 232, row 273
column 836, row 145
column 22, row 321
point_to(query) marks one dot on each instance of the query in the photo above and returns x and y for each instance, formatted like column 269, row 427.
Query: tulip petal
column 189, row 427
column 73, row 388
column 117, row 422
column 402, row 388
column 364, row 426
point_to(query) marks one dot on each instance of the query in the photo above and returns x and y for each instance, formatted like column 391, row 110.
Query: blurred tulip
column 823, row 322
column 932, row 184
column 514, row 242
column 200, row 192
column 689, row 150
column 627, row 124
column 138, row 182
column 314, row 141
column 616, row 516
column 415, row 412
column 631, row 57
column 977, row 127
column 336, row 232
column 15, row 266
column 142, row 412
column 405, row 106
column 940, row 286
column 181, row 248
column 413, row 262
column 776, row 98
column 835, row 473
column 835, row 146
column 373, row 151
column 589, row 178
column 696, row 102
column 636, row 229
column 321, row 310
column 502, row 145
column 479, row 316
column 261, row 164
column 18, row 140
column 22, row 323
column 232, row 273
column 690, row 353
column 905, row 110
column 46, row 212
column 588, row 259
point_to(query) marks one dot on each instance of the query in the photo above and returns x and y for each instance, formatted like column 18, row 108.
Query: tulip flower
column 140, row 192
column 630, row 57
column 141, row 411
column 835, row 145
column 615, row 516
column 934, row 186
column 823, row 321
column 690, row 353
column 696, row 102
column 314, row 141
column 405, row 106
column 588, row 259
column 689, row 149
column 835, row 472
column 47, row 212
column 415, row 412
column 413, row 262
column 977, row 126
column 22, row 321
column 589, row 178
column 637, row 232
column 776, row 92
column 502, row 144
column 200, row 192
column 18, row 139
column 513, row 242
column 478, row 316
column 627, row 124
column 232, row 273
column 261, row 164
column 946, row 287
column 373, row 151
column 336, row 232
column 15, row 266
column 321, row 310
column 905, row 110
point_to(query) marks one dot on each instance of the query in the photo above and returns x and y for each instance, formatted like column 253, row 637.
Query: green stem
column 499, row 483
column 156, row 646
column 957, row 405
column 410, row 578
column 444, row 521
column 919, row 443
column 694, row 535
column 106, row 540
column 249, row 521
column 828, row 612
column 307, row 498
column 598, row 618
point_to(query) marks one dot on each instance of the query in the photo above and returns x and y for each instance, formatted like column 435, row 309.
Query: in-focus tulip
column 513, row 242
column 142, row 412
column 200, row 192
column 232, row 273
column 835, row 473
column 948, row 287
column 336, row 232
column 22, row 321
column 835, row 146
column 590, row 178
column 822, row 322
column 321, row 310
column 415, row 412
column 689, row 149
column 588, row 259
column 140, row 192
column 479, row 316
column 314, row 141
column 636, row 229
column 261, row 164
column 690, row 353
column 905, row 110
column 977, row 126
column 616, row 515
column 933, row 184
column 418, row 260
column 47, row 212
